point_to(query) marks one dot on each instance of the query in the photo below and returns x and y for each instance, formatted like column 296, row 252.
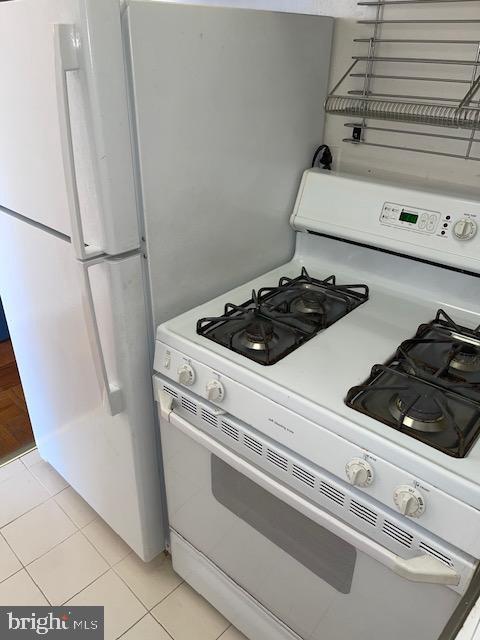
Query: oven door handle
column 422, row 568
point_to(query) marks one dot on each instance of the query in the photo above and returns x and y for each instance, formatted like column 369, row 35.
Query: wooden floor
column 15, row 430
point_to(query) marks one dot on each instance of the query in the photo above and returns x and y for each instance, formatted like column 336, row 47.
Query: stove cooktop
column 430, row 390
column 277, row 320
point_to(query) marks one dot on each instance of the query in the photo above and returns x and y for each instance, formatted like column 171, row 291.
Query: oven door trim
column 421, row 568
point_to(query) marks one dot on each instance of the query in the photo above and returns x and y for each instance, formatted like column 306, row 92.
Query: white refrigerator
column 150, row 155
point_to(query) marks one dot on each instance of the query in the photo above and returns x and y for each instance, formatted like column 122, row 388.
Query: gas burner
column 466, row 358
column 310, row 301
column 430, row 389
column 418, row 409
column 259, row 335
column 278, row 320
column 445, row 353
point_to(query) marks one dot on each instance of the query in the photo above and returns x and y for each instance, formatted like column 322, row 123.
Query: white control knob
column 186, row 375
column 359, row 472
column 465, row 229
column 409, row 501
column 215, row 391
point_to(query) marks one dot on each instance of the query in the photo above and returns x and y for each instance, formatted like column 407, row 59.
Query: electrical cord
column 325, row 159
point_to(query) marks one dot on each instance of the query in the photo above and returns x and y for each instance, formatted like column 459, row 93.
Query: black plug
column 326, row 159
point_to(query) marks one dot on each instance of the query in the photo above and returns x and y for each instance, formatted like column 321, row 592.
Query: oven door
column 319, row 576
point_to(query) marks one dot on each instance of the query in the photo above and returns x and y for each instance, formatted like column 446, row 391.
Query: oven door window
column 318, row 550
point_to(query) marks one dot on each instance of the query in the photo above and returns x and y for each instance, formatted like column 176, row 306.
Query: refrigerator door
column 36, row 135
column 228, row 115
column 110, row 460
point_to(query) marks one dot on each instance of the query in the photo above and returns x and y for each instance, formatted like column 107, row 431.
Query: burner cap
column 423, row 409
column 311, row 302
column 467, row 358
column 259, row 334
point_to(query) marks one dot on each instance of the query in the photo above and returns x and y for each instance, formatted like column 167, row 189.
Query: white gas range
column 279, row 492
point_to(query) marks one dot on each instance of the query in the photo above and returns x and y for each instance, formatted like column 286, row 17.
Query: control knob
column 465, row 229
column 409, row 501
column 359, row 472
column 186, row 375
column 215, row 391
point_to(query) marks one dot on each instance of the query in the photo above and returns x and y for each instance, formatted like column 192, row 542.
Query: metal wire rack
column 447, row 97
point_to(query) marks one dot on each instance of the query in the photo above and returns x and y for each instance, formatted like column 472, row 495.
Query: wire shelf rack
column 397, row 79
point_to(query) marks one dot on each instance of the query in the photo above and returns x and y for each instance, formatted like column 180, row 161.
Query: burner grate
column 430, row 389
column 278, row 320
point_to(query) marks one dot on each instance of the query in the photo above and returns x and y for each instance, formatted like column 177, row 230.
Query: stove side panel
column 229, row 110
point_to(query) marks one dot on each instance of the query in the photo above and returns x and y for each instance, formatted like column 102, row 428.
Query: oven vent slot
column 331, row 493
column 230, row 431
column 188, row 405
column 277, row 459
column 170, row 391
column 398, row 534
column 435, row 553
column 210, row 418
column 304, row 476
column 252, row 444
column 363, row 512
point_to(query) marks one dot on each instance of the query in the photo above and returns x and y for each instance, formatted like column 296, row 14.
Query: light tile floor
column 54, row 549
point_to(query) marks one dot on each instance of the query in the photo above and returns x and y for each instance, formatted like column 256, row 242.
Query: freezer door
column 37, row 141
column 109, row 459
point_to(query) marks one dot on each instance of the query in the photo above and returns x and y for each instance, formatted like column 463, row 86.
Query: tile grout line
column 32, row 508
column 138, row 622
column 110, row 568
column 100, row 519
column 167, row 596
column 68, row 516
column 47, row 552
column 131, row 626
column 225, row 630
column 49, row 497
column 230, row 625
column 22, row 568
column 65, row 602
column 24, row 513
column 161, row 625
column 171, row 592
column 37, row 585
column 113, row 567
column 29, row 469
column 11, row 549
column 55, row 545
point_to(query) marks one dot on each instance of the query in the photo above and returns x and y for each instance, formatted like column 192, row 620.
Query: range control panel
column 428, row 222
column 435, row 226
column 410, row 218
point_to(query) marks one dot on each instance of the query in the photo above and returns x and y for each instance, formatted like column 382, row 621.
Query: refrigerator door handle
column 67, row 60
column 112, row 393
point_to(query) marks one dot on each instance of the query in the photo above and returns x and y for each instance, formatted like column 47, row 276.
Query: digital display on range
column 406, row 216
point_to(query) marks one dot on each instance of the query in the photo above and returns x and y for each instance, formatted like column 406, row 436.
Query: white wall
column 337, row 8
column 362, row 159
